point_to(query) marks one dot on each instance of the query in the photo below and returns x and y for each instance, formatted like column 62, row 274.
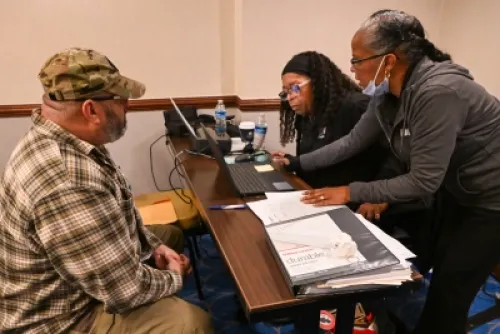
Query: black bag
column 176, row 128
column 174, row 124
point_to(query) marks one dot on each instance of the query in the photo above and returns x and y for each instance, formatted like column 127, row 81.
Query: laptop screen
column 184, row 120
column 217, row 153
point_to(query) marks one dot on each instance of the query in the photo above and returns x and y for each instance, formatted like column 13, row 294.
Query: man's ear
column 90, row 112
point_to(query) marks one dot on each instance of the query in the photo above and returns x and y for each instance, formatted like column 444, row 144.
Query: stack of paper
column 393, row 275
column 299, row 232
column 284, row 206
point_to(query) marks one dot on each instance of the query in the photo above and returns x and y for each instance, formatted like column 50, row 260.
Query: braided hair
column 329, row 85
column 391, row 30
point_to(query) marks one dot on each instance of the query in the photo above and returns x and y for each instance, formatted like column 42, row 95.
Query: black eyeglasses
column 355, row 61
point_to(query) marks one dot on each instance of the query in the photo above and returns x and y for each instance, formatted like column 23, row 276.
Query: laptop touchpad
column 282, row 186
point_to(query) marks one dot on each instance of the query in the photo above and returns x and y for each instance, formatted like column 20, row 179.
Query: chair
column 188, row 219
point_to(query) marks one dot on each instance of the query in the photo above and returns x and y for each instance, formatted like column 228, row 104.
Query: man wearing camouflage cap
column 74, row 248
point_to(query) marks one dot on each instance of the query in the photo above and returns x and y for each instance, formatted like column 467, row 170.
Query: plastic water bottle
column 260, row 132
column 220, row 118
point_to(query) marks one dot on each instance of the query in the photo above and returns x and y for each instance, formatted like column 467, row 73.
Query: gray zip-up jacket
column 445, row 128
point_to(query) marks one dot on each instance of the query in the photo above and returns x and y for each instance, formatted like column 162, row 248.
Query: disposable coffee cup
column 247, row 131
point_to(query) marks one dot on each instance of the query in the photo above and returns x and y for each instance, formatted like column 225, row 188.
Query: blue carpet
column 221, row 300
column 484, row 301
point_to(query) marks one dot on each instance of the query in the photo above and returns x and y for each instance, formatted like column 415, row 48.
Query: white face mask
column 374, row 90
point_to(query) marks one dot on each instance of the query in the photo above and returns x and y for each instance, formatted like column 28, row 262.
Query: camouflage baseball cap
column 78, row 74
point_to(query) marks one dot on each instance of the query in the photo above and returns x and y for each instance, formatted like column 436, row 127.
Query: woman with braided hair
column 320, row 104
column 445, row 128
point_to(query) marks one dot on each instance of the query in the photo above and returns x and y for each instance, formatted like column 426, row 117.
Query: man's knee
column 198, row 320
column 190, row 317
column 169, row 315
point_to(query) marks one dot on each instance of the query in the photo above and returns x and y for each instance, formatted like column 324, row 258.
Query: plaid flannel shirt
column 70, row 236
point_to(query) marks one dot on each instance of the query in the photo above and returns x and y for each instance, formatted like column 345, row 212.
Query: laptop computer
column 244, row 177
column 198, row 143
column 188, row 126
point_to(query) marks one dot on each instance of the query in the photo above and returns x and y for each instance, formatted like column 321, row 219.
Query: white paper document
column 394, row 275
column 389, row 276
column 309, row 245
column 285, row 206
column 396, row 248
column 280, row 195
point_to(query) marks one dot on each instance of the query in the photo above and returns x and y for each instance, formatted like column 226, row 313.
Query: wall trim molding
column 258, row 104
column 201, row 102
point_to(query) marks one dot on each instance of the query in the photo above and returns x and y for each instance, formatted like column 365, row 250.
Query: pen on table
column 228, row 207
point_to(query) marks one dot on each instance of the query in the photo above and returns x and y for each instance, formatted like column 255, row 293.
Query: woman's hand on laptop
column 286, row 161
column 280, row 158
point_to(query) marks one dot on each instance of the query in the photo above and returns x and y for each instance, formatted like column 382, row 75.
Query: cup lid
column 247, row 125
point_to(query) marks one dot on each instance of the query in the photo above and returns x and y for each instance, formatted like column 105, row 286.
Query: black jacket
column 362, row 167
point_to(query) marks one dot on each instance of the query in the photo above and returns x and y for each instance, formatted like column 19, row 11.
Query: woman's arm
column 364, row 133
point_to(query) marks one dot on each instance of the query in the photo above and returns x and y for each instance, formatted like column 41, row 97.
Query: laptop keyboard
column 247, row 179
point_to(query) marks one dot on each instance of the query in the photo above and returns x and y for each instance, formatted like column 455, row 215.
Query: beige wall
column 470, row 32
column 228, row 19
column 173, row 46
column 273, row 31
column 131, row 153
column 211, row 47
column 11, row 130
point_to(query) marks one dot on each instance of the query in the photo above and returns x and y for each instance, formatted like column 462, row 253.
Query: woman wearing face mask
column 320, row 104
column 446, row 129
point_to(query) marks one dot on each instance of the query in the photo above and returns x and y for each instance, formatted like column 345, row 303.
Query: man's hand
column 164, row 256
column 186, row 265
column 279, row 158
column 175, row 266
column 372, row 211
column 327, row 196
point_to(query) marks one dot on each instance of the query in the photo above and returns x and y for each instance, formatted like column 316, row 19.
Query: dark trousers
column 463, row 249
column 412, row 219
column 412, row 222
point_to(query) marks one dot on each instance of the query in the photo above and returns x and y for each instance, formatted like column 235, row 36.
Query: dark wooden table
column 240, row 238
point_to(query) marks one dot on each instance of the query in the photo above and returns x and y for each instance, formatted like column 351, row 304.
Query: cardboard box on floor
column 158, row 214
